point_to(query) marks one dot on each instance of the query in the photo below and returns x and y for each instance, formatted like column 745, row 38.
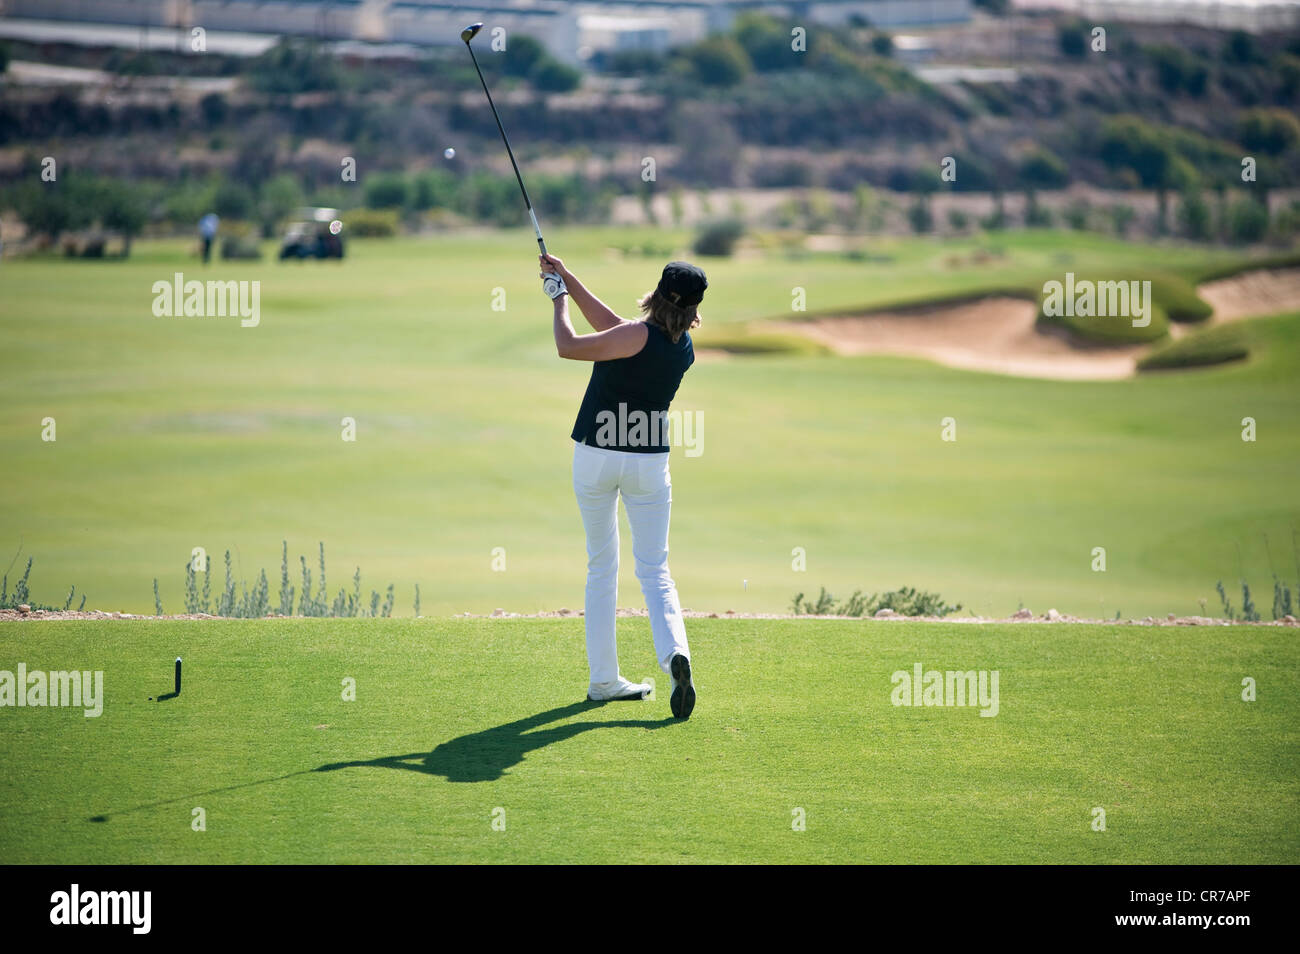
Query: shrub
column 919, row 216
column 1177, row 70
column 717, row 61
column 905, row 601
column 1178, row 298
column 719, row 238
column 1240, row 49
column 433, row 189
column 1194, row 217
column 22, row 594
column 387, row 190
column 1247, row 221
column 1072, row 39
column 1271, row 131
column 552, row 76
column 765, row 41
column 240, row 248
column 371, row 223
column 1036, row 216
column 521, row 55
column 293, row 66
column 1110, row 329
column 1043, row 169
column 1121, row 218
column 1076, row 214
column 233, row 200
column 1218, row 345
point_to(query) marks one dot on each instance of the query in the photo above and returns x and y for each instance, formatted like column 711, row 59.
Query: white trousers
column 600, row 475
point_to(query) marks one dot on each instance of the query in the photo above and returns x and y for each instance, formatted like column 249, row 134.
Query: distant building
column 1256, row 16
column 326, row 19
column 573, row 30
column 438, row 24
column 878, row 13
column 127, row 12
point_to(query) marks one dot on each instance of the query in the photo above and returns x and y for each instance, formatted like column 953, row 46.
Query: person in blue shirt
column 208, row 226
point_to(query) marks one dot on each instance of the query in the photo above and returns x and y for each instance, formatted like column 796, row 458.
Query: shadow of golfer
column 485, row 756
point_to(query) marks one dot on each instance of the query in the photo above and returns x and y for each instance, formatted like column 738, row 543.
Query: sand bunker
column 1000, row 335
column 1250, row 294
column 988, row 334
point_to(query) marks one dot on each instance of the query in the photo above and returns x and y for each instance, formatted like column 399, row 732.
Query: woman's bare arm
column 599, row 315
column 619, row 341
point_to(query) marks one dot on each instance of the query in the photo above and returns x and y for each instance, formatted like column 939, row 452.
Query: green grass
column 454, row 719
column 1217, row 345
column 176, row 433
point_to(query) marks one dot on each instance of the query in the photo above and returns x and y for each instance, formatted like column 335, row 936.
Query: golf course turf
column 176, row 433
column 460, row 724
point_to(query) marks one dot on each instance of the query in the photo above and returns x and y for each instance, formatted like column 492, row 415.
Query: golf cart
column 313, row 233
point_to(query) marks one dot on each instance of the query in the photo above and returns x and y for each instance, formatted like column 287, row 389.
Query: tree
column 1127, row 143
column 387, row 190
column 719, row 238
column 552, row 76
column 213, row 109
column 1177, row 70
column 522, row 55
column 294, row 66
column 1247, row 221
column 280, row 196
column 718, row 61
column 1043, row 169
column 766, row 42
column 1240, row 49
column 45, row 209
column 919, row 215
column 1194, row 217
column 122, row 209
column 233, row 200
column 1271, row 131
column 1072, row 38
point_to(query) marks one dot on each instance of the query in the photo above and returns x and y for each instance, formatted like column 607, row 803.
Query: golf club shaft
column 510, row 152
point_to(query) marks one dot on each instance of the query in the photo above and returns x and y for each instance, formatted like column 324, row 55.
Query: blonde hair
column 673, row 319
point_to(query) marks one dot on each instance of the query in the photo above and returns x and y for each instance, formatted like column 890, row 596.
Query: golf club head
column 470, row 32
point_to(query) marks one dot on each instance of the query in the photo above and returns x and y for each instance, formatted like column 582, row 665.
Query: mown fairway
column 175, row 433
column 456, row 719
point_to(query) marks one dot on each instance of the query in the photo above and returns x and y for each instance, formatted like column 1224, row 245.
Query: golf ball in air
column 449, row 153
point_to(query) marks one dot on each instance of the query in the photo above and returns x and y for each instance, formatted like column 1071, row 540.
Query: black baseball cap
column 682, row 284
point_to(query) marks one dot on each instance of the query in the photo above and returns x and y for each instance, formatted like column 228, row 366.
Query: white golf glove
column 553, row 285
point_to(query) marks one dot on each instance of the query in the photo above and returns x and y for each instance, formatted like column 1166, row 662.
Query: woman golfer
column 621, row 448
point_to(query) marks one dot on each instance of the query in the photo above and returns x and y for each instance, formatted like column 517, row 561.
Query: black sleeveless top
column 626, row 404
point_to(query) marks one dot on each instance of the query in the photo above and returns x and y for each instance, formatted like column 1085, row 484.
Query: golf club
column 466, row 35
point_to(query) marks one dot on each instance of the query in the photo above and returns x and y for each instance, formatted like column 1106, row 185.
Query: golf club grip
column 541, row 243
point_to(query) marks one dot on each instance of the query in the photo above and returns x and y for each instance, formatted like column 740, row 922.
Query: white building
column 1257, row 16
column 439, row 24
